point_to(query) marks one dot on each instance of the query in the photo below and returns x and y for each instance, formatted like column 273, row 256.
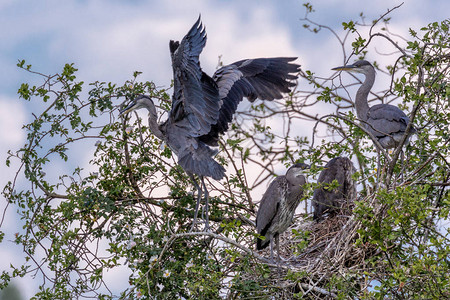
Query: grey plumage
column 387, row 123
column 327, row 199
column 260, row 78
column 202, row 107
column 278, row 204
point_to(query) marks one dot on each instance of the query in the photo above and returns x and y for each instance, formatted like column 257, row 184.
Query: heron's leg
column 271, row 248
column 205, row 191
column 277, row 241
column 199, row 198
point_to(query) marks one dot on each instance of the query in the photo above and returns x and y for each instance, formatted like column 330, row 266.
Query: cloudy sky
column 109, row 40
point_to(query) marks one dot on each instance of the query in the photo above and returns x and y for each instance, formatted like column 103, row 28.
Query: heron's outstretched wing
column 263, row 78
column 268, row 209
column 386, row 119
column 195, row 94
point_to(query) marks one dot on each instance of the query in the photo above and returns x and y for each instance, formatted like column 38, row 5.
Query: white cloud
column 140, row 42
column 259, row 35
column 12, row 116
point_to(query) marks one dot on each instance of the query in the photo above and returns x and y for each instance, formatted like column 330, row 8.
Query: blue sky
column 109, row 40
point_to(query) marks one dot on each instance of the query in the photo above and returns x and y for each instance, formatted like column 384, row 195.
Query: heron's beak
column 128, row 109
column 303, row 169
column 345, row 68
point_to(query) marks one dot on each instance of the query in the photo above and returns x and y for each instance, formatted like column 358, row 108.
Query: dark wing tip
column 260, row 244
column 198, row 25
column 173, row 46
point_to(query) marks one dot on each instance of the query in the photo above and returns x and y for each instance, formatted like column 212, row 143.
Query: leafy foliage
column 131, row 204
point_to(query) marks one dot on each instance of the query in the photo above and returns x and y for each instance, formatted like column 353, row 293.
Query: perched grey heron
column 277, row 206
column 327, row 198
column 202, row 107
column 387, row 123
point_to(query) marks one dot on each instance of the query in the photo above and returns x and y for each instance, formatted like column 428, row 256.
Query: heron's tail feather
column 200, row 161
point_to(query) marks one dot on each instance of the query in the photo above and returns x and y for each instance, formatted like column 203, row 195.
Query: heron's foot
column 280, row 258
column 194, row 225
column 290, row 259
column 207, row 228
column 277, row 261
column 199, row 222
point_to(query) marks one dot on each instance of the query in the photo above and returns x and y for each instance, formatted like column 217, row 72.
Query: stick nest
column 321, row 249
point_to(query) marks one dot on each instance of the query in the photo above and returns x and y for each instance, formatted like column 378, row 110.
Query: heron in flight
column 203, row 106
column 278, row 205
column 387, row 123
column 330, row 199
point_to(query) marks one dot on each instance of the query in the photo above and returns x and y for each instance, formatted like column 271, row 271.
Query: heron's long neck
column 154, row 126
column 362, row 106
column 152, row 121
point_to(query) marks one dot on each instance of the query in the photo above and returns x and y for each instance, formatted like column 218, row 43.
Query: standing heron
column 387, row 123
column 278, row 205
column 329, row 198
column 202, row 107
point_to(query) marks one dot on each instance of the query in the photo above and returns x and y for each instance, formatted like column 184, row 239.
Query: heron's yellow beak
column 345, row 68
column 128, row 109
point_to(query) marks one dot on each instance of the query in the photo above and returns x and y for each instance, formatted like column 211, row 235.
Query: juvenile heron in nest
column 387, row 123
column 328, row 198
column 278, row 205
column 202, row 107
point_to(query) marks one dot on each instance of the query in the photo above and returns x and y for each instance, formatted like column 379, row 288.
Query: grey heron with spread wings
column 203, row 106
